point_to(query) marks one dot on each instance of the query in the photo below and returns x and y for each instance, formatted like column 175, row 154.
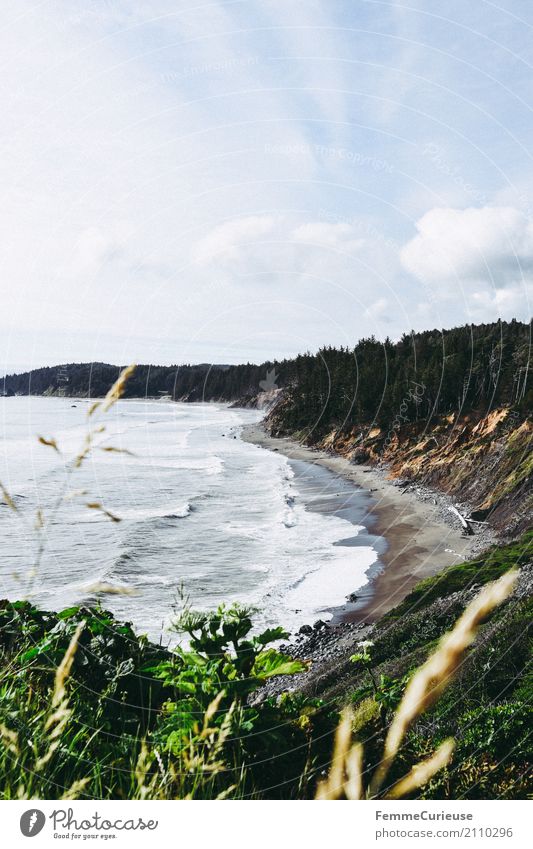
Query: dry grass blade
column 75, row 493
column 75, row 789
column 50, row 443
column 227, row 792
column 422, row 772
column 110, row 589
column 112, row 448
column 63, row 670
column 95, row 505
column 212, row 709
column 353, row 787
column 57, row 721
column 226, row 726
column 430, row 680
column 85, row 451
column 60, row 714
column 142, row 768
column 7, row 498
column 93, row 408
column 10, row 739
column 333, row 786
column 117, row 390
column 40, row 762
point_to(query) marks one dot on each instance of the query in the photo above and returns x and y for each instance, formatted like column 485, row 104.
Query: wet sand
column 419, row 537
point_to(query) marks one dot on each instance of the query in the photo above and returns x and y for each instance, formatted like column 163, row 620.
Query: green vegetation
column 141, row 722
column 90, row 709
column 488, row 707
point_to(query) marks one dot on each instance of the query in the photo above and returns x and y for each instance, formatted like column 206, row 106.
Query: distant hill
column 92, row 380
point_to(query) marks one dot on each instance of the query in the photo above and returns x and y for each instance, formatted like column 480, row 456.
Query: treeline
column 475, row 367
column 467, row 369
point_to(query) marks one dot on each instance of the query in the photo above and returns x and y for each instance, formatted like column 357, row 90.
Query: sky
column 237, row 181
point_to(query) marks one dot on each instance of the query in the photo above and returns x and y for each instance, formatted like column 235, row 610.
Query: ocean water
column 203, row 513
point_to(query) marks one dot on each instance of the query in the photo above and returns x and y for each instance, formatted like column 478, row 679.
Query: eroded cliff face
column 483, row 461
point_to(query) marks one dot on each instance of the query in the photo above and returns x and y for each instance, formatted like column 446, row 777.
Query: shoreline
column 421, row 539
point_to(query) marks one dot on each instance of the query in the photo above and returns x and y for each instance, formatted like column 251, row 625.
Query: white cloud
column 494, row 244
column 225, row 242
column 376, row 309
column 340, row 235
column 489, row 305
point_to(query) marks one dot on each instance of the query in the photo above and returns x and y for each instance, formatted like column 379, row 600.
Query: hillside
column 454, row 413
column 484, row 461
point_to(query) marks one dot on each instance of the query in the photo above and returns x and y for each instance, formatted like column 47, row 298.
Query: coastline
column 422, row 537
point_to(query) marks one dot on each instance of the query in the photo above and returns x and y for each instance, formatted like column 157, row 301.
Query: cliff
column 484, row 461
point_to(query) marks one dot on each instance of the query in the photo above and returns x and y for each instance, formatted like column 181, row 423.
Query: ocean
column 204, row 516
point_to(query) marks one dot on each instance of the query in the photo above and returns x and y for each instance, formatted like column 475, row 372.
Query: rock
column 352, row 597
column 320, row 625
column 360, row 455
column 305, row 629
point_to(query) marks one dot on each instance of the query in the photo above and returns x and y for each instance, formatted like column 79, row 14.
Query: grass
column 477, row 572
column 487, row 708
column 89, row 709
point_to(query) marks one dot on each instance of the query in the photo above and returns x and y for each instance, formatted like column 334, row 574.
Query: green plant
column 499, row 729
column 387, row 691
column 264, row 738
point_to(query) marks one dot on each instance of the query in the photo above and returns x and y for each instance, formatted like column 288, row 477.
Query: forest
column 435, row 372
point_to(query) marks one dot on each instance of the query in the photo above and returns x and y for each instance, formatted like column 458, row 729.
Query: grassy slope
column 488, row 708
column 115, row 701
column 463, row 576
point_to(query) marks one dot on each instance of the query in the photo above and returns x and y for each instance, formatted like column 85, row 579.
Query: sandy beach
column 422, row 536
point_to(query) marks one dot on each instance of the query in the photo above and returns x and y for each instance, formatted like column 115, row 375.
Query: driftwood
column 464, row 521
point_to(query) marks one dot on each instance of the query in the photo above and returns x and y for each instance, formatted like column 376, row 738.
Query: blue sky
column 189, row 181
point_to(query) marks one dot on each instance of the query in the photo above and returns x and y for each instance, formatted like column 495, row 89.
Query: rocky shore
column 329, row 647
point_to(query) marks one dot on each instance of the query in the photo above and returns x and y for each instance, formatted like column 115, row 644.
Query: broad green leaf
column 270, row 635
column 271, row 662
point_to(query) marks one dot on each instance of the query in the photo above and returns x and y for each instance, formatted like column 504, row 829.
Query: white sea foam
column 222, row 518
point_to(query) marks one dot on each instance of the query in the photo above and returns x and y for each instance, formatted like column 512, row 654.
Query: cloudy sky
column 188, row 181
